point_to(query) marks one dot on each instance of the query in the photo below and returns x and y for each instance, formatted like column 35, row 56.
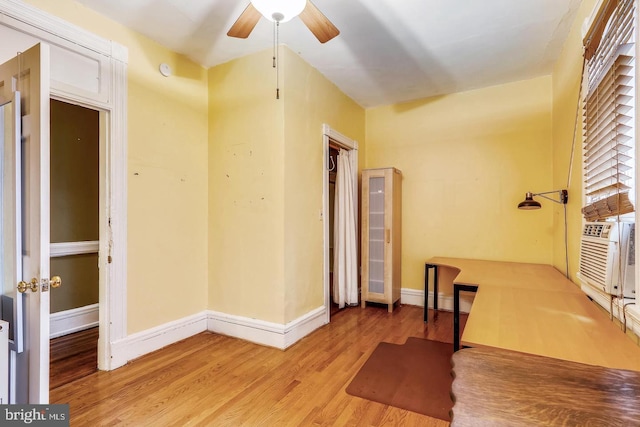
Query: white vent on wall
column 607, row 257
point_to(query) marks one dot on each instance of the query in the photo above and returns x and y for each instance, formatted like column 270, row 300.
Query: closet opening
column 333, row 172
column 340, row 213
column 75, row 240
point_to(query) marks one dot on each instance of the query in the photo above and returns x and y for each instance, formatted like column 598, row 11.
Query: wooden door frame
column 110, row 99
column 342, row 141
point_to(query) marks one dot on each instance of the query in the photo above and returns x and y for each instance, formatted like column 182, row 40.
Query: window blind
column 608, row 117
column 594, row 35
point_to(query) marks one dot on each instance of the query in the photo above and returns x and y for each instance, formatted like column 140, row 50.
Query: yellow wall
column 310, row 101
column 265, row 184
column 566, row 85
column 246, row 193
column 167, row 173
column 467, row 160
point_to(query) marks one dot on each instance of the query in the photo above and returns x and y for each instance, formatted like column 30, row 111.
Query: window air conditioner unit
column 607, row 257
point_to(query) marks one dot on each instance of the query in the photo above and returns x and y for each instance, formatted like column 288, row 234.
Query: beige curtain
column 345, row 261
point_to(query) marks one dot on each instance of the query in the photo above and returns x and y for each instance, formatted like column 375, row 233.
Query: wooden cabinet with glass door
column 381, row 235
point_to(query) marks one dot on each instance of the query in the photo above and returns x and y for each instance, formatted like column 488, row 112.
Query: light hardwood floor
column 213, row 380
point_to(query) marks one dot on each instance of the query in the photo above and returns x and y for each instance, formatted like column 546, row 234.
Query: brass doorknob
column 56, row 282
column 32, row 285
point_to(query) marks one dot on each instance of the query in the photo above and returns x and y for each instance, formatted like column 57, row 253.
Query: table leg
column 456, row 311
column 428, row 267
column 435, row 287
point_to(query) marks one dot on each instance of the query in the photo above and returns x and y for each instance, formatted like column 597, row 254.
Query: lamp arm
column 564, row 197
column 548, row 198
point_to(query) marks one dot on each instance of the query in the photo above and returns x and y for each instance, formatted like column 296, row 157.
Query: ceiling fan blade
column 245, row 23
column 318, row 24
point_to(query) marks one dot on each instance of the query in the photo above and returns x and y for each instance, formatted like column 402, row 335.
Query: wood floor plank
column 213, row 380
column 73, row 356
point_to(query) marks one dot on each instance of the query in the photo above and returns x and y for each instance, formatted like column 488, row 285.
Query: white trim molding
column 604, row 300
column 633, row 319
column 266, row 333
column 141, row 343
column 74, row 320
column 36, row 18
column 339, row 138
column 73, row 248
column 347, row 143
column 445, row 302
column 302, row 326
column 254, row 330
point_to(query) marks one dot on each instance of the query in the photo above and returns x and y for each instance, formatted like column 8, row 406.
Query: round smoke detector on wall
column 165, row 70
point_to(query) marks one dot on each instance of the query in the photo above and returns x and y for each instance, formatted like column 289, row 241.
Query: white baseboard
column 445, row 302
column 633, row 319
column 302, row 326
column 74, row 320
column 603, row 299
column 258, row 331
column 141, row 343
column 266, row 333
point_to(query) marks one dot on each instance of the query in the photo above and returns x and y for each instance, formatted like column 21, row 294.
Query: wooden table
column 533, row 308
column 524, row 390
column 507, row 274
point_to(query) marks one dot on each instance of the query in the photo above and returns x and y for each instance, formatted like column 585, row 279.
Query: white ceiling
column 388, row 51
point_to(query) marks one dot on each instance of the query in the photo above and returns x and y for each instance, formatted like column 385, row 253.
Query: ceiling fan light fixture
column 279, row 10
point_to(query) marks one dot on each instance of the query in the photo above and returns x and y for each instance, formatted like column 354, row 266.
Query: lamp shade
column 528, row 203
column 279, row 10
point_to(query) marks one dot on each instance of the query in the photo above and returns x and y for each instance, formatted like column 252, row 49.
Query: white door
column 28, row 74
column 10, row 232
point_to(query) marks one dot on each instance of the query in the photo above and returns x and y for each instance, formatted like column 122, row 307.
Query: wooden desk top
column 507, row 274
column 505, row 388
column 561, row 325
column 533, row 308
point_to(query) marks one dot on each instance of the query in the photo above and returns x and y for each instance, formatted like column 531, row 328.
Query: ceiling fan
column 282, row 11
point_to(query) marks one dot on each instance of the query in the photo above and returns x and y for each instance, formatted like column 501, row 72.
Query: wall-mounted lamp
column 563, row 197
column 530, row 203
